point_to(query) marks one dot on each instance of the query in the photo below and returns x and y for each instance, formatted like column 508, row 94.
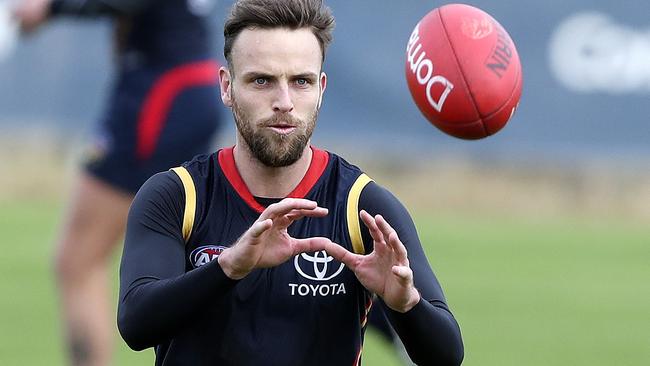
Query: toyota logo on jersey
column 318, row 266
column 205, row 254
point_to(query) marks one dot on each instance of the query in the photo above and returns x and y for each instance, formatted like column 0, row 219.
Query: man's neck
column 264, row 181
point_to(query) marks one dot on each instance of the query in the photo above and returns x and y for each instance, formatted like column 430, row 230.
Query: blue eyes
column 301, row 82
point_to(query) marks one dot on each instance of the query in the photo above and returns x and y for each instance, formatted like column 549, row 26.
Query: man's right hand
column 267, row 243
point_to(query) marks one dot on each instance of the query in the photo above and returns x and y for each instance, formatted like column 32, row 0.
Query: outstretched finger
column 370, row 222
column 283, row 222
column 398, row 247
column 392, row 239
column 260, row 227
column 351, row 260
column 300, row 213
column 384, row 226
column 287, row 205
column 310, row 244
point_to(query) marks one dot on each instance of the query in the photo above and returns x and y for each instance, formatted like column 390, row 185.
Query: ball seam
column 461, row 71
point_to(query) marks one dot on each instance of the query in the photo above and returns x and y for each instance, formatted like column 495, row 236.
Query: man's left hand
column 386, row 270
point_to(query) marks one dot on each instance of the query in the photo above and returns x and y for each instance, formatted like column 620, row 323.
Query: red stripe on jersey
column 227, row 164
column 364, row 321
column 357, row 360
column 160, row 98
column 319, row 160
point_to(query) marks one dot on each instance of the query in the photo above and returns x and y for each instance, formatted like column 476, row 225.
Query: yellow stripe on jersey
column 354, row 229
column 190, row 200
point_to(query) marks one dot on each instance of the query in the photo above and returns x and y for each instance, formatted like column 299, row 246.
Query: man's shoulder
column 201, row 165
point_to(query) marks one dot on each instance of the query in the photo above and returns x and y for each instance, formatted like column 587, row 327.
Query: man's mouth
column 282, row 128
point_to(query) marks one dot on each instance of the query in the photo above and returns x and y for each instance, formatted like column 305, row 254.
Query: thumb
column 404, row 274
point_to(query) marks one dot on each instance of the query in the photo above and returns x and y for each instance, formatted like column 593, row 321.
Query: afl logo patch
column 319, row 266
column 205, row 254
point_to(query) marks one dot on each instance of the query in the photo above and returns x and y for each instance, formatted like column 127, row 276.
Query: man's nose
column 283, row 102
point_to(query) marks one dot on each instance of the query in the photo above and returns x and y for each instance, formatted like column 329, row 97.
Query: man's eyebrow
column 306, row 75
column 257, row 74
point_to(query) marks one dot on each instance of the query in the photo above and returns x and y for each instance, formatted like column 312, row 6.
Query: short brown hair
column 267, row 14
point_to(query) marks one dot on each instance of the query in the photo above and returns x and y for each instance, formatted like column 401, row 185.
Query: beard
column 271, row 149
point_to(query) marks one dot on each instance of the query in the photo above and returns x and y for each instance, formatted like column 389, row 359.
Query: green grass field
column 526, row 292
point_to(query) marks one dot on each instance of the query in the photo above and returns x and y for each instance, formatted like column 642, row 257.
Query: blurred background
column 539, row 234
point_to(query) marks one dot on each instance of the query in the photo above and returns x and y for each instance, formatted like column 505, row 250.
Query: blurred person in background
column 162, row 110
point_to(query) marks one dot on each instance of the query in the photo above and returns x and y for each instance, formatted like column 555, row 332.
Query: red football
column 463, row 71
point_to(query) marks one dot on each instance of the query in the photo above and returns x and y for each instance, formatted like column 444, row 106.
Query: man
column 162, row 111
column 269, row 252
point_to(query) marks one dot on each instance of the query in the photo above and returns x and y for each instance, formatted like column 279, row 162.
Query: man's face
column 274, row 87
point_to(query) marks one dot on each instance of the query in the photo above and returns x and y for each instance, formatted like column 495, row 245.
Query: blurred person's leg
column 377, row 320
column 115, row 165
column 94, row 223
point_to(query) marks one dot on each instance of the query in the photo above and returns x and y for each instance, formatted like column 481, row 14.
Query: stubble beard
column 271, row 149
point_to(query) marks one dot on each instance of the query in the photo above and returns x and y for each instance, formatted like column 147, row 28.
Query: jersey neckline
column 317, row 166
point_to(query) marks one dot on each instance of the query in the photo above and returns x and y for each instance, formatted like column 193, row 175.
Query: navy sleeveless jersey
column 310, row 302
column 310, row 310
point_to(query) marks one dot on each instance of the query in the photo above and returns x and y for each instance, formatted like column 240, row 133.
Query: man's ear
column 225, row 83
column 322, row 83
